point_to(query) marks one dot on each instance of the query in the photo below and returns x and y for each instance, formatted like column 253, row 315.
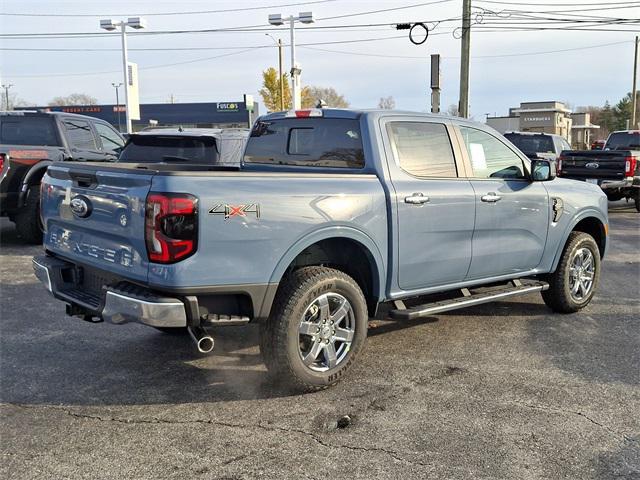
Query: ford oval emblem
column 81, row 206
column 592, row 165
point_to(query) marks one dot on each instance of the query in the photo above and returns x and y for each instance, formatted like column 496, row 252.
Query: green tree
column 606, row 120
column 270, row 91
column 622, row 113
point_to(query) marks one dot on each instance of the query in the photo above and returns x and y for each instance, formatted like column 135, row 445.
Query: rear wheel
column 637, row 199
column 28, row 223
column 573, row 284
column 316, row 329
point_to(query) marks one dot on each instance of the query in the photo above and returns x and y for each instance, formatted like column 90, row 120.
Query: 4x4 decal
column 235, row 210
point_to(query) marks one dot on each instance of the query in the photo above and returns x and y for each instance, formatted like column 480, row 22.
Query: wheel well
column 34, row 177
column 348, row 256
column 595, row 228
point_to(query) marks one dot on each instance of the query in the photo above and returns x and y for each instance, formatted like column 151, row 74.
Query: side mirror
column 542, row 170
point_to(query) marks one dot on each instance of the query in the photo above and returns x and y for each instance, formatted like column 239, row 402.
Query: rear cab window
column 306, row 142
column 28, row 130
column 532, row 144
column 623, row 141
column 168, row 148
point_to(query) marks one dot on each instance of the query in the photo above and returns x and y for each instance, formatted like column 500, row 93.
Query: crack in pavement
column 210, row 421
column 546, row 408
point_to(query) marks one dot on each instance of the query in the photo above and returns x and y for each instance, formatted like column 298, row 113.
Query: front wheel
column 573, row 284
column 28, row 223
column 317, row 326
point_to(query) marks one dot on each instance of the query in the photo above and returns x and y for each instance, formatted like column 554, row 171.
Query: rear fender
column 32, row 177
column 336, row 232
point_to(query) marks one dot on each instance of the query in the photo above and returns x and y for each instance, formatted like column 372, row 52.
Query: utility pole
column 463, row 105
column 117, row 86
column 634, row 93
column 6, row 95
column 280, row 66
column 435, row 83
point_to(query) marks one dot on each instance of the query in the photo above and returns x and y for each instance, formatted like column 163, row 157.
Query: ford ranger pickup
column 333, row 217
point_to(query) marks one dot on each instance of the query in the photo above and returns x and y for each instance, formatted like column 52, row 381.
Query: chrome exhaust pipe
column 203, row 340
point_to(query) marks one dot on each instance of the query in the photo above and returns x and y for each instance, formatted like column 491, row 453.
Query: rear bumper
column 610, row 184
column 120, row 304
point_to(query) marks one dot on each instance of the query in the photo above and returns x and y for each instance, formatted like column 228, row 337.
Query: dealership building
column 204, row 115
column 547, row 117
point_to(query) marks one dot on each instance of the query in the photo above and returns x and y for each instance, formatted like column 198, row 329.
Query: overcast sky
column 503, row 71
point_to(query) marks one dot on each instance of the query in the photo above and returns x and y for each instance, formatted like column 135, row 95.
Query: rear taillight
column 171, row 226
column 559, row 165
column 630, row 166
column 3, row 158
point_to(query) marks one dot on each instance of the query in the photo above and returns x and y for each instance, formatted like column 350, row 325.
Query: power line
column 200, row 12
column 537, row 4
column 371, row 12
column 423, row 57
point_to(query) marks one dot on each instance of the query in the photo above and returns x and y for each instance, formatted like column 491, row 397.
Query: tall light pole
column 110, row 25
column 280, row 66
column 117, row 86
column 6, row 95
column 303, row 17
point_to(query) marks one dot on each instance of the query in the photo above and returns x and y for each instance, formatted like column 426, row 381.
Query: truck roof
column 41, row 113
column 356, row 113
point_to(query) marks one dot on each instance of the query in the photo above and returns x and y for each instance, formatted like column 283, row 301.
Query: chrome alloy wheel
column 581, row 274
column 326, row 331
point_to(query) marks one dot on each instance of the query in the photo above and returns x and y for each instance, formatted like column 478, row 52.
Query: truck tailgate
column 94, row 215
column 595, row 164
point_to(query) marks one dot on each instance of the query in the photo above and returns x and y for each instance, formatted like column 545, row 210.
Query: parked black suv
column 30, row 141
column 538, row 145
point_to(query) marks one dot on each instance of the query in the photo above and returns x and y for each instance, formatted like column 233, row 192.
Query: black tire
column 281, row 341
column 559, row 297
column 637, row 200
column 614, row 197
column 27, row 219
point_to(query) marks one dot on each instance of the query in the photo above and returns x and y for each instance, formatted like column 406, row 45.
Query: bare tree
column 311, row 95
column 73, row 99
column 453, row 110
column 14, row 102
column 387, row 103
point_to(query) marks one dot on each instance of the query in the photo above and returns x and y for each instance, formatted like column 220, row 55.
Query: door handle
column 416, row 199
column 491, row 197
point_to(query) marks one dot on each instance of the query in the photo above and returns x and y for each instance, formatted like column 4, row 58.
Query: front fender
column 335, row 231
column 586, row 213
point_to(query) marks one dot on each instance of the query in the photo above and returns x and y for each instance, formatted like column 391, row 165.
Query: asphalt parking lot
column 505, row 390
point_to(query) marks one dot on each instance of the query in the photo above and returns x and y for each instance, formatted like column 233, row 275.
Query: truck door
column 434, row 205
column 512, row 212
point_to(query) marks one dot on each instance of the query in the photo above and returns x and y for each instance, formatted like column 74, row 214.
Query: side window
column 565, row 145
column 80, row 135
column 110, row 139
column 490, row 158
column 422, row 149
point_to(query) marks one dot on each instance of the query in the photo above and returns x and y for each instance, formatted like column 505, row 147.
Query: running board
column 467, row 299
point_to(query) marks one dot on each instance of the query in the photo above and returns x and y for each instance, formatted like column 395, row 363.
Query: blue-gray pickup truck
column 332, row 217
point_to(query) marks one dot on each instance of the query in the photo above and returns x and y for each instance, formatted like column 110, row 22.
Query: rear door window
column 28, row 130
column 167, row 148
column 422, row 149
column 80, row 135
column 309, row 142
